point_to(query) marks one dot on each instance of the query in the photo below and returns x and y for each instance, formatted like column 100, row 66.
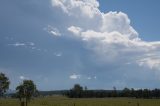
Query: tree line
column 79, row 92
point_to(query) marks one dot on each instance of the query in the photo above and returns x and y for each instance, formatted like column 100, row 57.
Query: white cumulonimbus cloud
column 109, row 35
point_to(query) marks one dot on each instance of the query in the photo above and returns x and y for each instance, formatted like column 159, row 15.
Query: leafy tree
column 126, row 92
column 4, row 84
column 76, row 91
column 26, row 90
column 77, row 87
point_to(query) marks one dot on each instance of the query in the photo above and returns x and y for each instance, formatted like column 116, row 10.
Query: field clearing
column 63, row 101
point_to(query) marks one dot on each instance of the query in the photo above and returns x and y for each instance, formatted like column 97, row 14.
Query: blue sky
column 99, row 44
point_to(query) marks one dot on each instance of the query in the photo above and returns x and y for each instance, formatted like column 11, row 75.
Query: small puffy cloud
column 75, row 30
column 95, row 77
column 58, row 54
column 89, row 78
column 52, row 30
column 22, row 77
column 17, row 44
column 31, row 43
column 75, row 76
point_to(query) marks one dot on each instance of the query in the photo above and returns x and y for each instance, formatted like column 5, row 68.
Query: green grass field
column 63, row 101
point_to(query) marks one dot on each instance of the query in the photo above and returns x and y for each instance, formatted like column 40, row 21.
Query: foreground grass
column 63, row 101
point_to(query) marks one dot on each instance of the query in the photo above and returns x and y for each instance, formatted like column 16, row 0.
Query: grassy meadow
column 63, row 101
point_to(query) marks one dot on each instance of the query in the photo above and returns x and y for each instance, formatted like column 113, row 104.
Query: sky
column 100, row 44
